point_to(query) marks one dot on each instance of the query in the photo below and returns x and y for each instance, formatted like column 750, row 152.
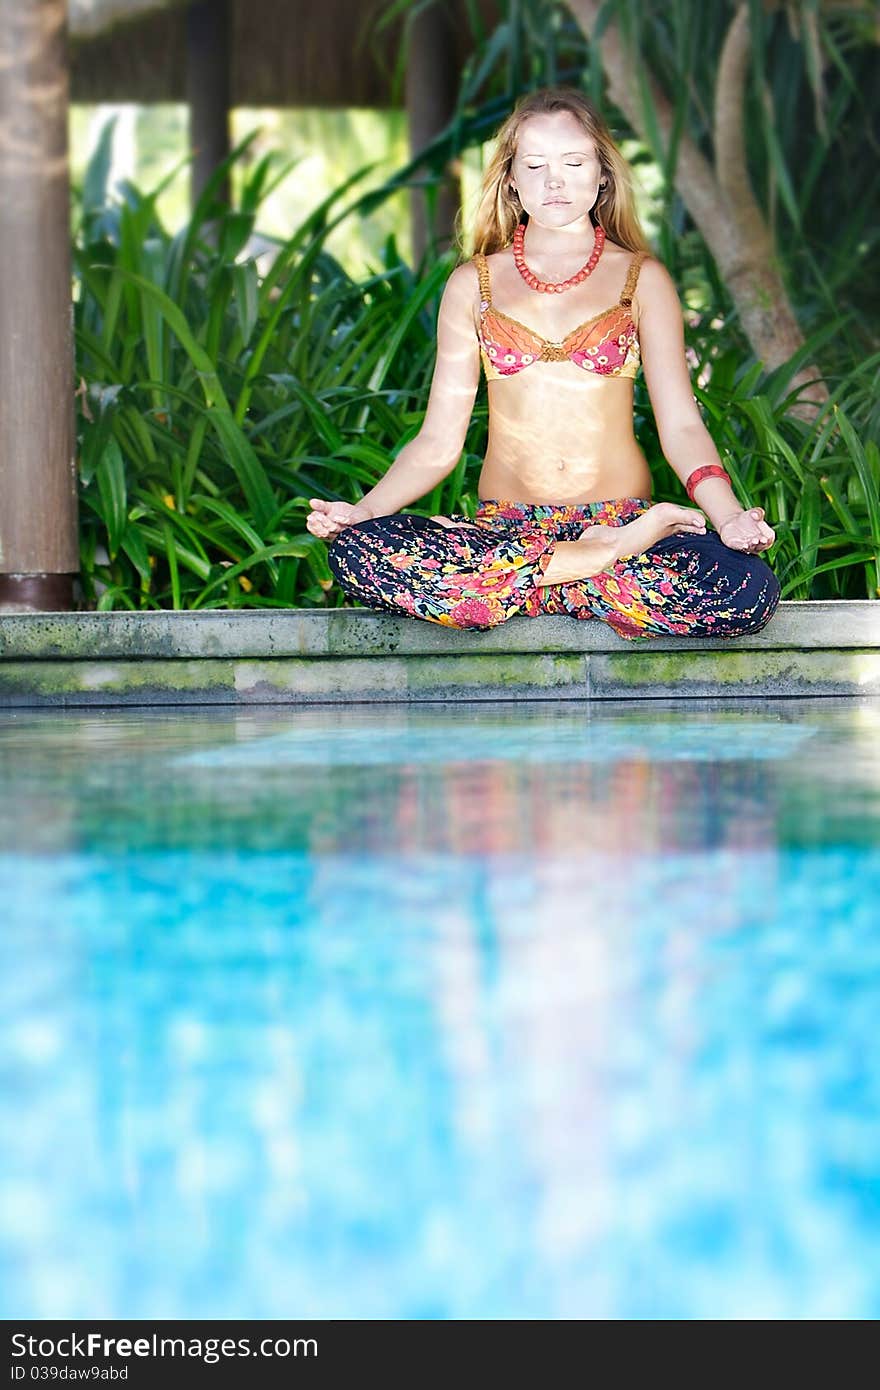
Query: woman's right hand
column 327, row 519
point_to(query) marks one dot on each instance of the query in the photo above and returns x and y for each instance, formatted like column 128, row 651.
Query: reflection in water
column 601, row 776
column 568, row 1035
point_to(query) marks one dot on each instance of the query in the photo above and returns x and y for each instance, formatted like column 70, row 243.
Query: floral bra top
column 607, row 344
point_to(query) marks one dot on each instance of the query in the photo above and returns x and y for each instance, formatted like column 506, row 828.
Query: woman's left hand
column 747, row 531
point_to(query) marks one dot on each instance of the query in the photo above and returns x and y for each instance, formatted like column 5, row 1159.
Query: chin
column 560, row 216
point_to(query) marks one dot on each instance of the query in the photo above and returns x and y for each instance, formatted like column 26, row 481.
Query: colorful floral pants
column 476, row 574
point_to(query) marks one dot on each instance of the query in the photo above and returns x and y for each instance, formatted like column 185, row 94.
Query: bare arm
column 685, row 441
column 436, row 449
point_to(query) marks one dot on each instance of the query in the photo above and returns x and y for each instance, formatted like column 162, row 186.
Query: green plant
column 216, row 396
column 214, row 399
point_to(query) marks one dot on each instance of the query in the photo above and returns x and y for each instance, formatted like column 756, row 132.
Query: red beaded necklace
column 543, row 285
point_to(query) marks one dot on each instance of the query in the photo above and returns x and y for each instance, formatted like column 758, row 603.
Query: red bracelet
column 708, row 470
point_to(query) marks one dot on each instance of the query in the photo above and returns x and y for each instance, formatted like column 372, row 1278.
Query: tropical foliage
column 213, row 398
column 218, row 394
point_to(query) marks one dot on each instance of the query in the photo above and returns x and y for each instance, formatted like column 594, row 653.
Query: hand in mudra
column 747, row 531
column 327, row 519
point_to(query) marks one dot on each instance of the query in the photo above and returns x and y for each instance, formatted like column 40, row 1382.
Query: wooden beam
column 432, row 72
column 39, row 549
column 207, row 90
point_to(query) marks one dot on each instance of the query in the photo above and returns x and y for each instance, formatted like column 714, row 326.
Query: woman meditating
column 562, row 301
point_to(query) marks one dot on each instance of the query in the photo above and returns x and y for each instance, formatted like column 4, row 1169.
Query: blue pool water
column 533, row 1010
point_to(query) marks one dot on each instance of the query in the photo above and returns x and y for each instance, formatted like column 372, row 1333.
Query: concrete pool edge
column 316, row 656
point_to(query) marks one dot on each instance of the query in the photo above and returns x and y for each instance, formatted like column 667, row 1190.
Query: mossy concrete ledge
column 314, row 656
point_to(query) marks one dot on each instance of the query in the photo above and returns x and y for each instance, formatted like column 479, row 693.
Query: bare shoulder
column 463, row 279
column 614, row 253
column 462, row 288
column 461, row 291
column 655, row 283
column 621, row 258
column 501, row 267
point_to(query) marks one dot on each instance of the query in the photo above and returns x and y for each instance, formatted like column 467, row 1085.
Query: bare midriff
column 557, row 435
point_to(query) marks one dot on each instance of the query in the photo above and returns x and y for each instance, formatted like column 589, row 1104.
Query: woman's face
column 555, row 170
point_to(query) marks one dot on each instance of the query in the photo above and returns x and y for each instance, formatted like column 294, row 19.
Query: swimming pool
column 527, row 1010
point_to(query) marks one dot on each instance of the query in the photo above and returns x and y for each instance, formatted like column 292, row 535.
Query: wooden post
column 207, row 90
column 39, row 547
column 431, row 88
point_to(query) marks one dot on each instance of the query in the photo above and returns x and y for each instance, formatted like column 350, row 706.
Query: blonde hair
column 499, row 210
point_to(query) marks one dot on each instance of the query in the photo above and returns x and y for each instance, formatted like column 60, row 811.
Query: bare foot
column 600, row 547
column 594, row 551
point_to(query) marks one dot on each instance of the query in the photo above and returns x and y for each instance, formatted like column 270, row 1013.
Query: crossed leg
column 462, row 575
column 689, row 585
column 466, row 575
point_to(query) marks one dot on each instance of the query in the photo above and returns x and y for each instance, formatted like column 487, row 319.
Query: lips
column 556, row 202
